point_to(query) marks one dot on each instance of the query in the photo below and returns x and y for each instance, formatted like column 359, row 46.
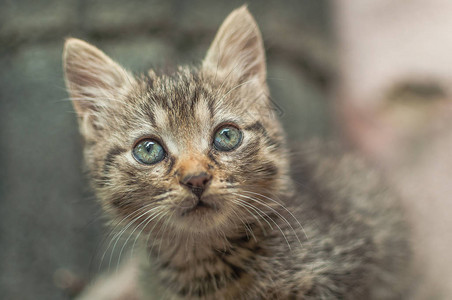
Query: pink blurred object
column 394, row 104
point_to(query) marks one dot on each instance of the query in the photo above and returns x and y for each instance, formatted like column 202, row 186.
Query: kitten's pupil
column 226, row 133
column 227, row 138
column 148, row 152
column 152, row 149
column 149, row 146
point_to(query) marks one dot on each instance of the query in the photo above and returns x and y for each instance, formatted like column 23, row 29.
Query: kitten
column 195, row 166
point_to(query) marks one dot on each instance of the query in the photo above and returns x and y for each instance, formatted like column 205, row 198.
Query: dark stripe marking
column 258, row 127
column 171, row 165
column 110, row 157
column 212, row 158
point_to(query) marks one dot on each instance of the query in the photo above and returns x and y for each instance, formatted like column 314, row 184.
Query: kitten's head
column 198, row 150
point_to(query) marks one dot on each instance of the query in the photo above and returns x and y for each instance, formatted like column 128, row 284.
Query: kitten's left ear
column 237, row 50
column 92, row 78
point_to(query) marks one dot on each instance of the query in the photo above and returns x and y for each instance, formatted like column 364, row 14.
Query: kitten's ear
column 237, row 50
column 92, row 78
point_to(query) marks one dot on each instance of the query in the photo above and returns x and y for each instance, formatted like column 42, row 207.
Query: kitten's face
column 196, row 150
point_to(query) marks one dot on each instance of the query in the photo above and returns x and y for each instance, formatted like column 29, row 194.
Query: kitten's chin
column 202, row 216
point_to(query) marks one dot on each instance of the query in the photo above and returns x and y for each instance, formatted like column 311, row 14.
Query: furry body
column 352, row 246
column 321, row 227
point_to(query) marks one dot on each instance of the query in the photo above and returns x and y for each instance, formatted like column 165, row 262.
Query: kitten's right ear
column 92, row 78
column 237, row 48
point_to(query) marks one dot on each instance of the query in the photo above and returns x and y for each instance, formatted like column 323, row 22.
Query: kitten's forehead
column 186, row 107
column 183, row 109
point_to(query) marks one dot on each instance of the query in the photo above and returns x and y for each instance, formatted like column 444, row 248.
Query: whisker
column 145, row 225
column 116, row 226
column 277, row 213
column 124, row 230
column 245, row 226
column 282, row 206
column 150, row 232
column 235, row 87
column 163, row 234
column 259, row 214
column 287, row 241
column 130, row 235
column 220, row 89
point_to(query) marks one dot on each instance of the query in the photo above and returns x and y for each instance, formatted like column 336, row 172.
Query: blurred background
column 375, row 73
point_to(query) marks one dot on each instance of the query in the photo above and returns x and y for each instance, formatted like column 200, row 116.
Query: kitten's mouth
column 199, row 207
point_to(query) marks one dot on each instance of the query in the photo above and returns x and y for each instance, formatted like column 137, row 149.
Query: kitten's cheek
column 216, row 189
column 152, row 172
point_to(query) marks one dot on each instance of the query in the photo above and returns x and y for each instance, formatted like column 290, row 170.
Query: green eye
column 227, row 138
column 148, row 152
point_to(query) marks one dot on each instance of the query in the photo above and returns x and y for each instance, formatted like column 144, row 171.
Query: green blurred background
column 49, row 219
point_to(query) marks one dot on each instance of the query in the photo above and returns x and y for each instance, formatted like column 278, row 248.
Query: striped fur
column 331, row 232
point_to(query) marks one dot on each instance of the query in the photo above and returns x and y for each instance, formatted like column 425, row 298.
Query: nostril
column 197, row 181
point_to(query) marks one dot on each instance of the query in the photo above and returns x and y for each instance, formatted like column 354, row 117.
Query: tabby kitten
column 195, row 167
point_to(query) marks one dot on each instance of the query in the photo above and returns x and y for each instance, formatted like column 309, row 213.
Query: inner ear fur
column 237, row 50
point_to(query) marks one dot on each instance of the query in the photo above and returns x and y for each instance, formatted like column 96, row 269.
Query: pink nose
column 197, row 182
